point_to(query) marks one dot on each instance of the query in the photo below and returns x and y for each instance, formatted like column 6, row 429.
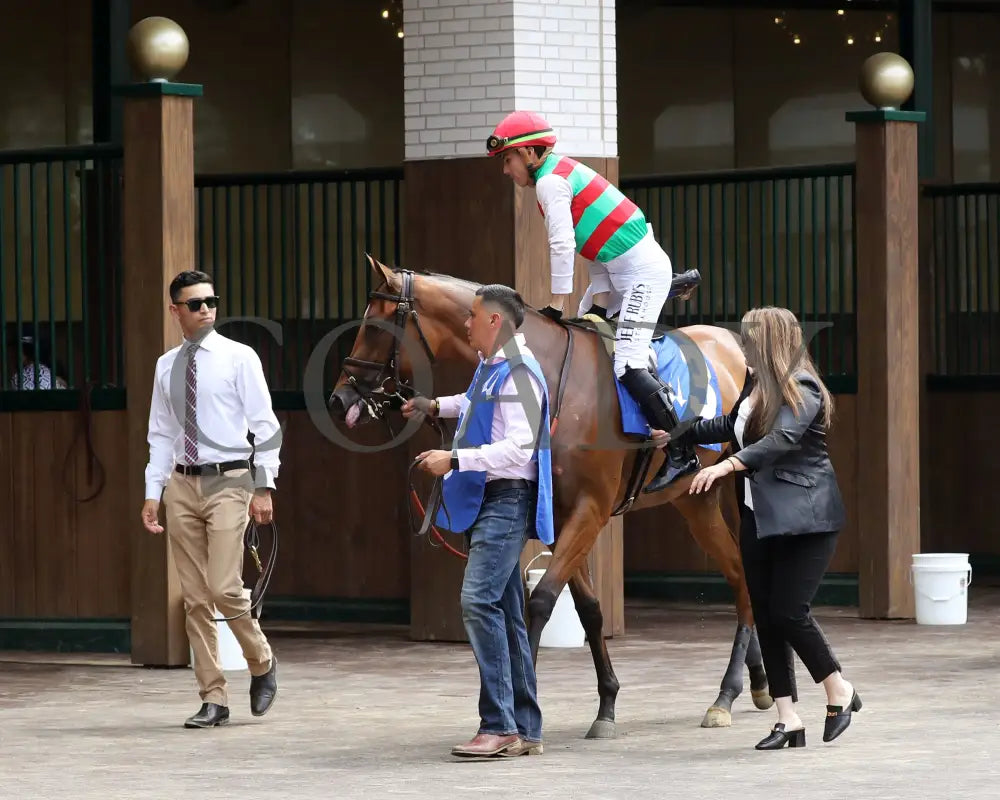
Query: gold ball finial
column 157, row 48
column 886, row 80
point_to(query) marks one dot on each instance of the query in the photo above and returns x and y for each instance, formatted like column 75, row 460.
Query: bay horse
column 420, row 316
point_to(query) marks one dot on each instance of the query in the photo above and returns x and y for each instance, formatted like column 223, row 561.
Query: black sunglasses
column 194, row 304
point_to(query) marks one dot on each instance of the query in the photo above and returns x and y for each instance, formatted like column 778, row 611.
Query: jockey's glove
column 552, row 313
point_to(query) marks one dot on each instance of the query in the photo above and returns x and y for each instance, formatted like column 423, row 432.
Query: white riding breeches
column 639, row 281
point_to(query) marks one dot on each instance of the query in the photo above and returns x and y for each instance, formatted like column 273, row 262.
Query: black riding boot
column 653, row 397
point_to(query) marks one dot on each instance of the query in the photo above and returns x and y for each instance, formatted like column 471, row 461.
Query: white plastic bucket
column 951, row 560
column 230, row 653
column 563, row 628
column 940, row 585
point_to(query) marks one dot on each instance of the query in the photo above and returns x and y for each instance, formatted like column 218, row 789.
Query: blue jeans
column 493, row 613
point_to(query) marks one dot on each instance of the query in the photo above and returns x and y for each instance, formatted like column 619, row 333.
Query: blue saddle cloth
column 681, row 364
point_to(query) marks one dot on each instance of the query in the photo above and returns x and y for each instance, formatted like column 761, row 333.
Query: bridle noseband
column 383, row 396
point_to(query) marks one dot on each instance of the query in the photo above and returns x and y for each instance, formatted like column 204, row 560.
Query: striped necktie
column 191, row 407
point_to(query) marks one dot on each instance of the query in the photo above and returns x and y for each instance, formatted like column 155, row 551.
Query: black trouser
column 783, row 574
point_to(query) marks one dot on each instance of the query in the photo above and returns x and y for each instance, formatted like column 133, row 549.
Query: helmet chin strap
column 533, row 162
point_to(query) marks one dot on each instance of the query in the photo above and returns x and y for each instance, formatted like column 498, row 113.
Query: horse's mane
column 439, row 276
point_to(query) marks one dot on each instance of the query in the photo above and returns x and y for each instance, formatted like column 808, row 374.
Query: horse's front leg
column 588, row 608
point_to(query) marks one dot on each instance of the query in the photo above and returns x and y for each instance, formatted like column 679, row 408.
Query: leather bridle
column 389, row 390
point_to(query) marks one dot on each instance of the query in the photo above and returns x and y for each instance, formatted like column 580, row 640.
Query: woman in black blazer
column 791, row 512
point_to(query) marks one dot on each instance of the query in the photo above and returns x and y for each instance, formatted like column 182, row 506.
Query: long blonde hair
column 772, row 342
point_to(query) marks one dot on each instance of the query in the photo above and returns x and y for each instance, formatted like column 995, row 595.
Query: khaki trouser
column 206, row 518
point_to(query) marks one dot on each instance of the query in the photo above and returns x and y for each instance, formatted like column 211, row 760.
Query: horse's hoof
column 603, row 729
column 762, row 698
column 717, row 717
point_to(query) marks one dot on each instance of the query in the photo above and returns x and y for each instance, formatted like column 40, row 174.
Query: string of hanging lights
column 850, row 24
column 392, row 12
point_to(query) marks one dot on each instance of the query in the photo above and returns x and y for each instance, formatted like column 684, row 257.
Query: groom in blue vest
column 497, row 488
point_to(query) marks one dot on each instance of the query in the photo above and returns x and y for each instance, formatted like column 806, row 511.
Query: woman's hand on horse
column 436, row 462
column 418, row 405
column 704, row 478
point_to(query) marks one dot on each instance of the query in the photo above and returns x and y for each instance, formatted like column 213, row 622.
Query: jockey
column 586, row 214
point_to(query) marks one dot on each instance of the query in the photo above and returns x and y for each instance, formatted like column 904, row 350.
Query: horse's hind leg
column 709, row 529
column 589, row 610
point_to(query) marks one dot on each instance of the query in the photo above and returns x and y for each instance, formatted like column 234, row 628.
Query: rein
column 251, row 541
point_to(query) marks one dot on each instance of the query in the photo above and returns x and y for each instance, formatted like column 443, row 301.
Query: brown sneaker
column 487, row 745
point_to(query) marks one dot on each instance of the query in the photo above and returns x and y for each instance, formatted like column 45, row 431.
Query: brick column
column 468, row 63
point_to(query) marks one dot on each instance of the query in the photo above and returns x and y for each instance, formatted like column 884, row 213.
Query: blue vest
column 462, row 491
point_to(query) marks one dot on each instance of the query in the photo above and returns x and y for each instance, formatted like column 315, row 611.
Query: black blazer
column 792, row 482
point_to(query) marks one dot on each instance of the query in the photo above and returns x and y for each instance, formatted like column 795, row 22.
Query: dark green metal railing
column 966, row 268
column 289, row 247
column 780, row 236
column 60, row 268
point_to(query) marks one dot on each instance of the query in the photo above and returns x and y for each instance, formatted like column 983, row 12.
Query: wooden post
column 158, row 243
column 886, row 212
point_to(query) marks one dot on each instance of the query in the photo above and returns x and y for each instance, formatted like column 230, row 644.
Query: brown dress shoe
column 487, row 745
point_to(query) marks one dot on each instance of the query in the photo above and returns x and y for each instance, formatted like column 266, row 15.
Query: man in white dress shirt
column 498, row 489
column 207, row 394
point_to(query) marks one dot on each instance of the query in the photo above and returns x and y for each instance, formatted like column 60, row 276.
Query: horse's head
column 410, row 320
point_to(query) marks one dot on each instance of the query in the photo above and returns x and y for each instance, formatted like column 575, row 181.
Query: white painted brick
column 455, row 135
column 458, row 79
column 415, row 152
column 440, row 150
column 439, row 13
column 430, row 82
column 547, row 24
column 487, row 106
column 594, row 27
column 455, row 26
column 428, row 28
column 441, row 68
column 429, row 109
column 469, row 93
column 487, row 51
column 410, row 83
column 571, row 26
column 499, row 91
column 497, row 38
column 413, row 70
column 488, row 24
column 411, row 137
column 441, row 121
column 467, row 39
column 480, row 79
column 456, row 107
column 454, row 53
column 413, row 96
column 506, row 24
column 471, row 120
column 439, row 95
column 585, row 12
column 526, row 50
column 412, row 15
column 429, row 54
column 430, row 136
column 529, row 92
column 558, row 92
column 574, row 54
column 548, row 51
column 471, row 148
column 440, row 40
column 468, row 12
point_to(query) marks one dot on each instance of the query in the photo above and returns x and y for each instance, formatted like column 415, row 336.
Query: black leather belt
column 211, row 469
column 501, row 484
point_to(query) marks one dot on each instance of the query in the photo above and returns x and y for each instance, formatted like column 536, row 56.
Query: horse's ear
column 382, row 271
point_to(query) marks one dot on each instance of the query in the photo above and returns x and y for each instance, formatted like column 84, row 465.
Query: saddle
column 681, row 287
